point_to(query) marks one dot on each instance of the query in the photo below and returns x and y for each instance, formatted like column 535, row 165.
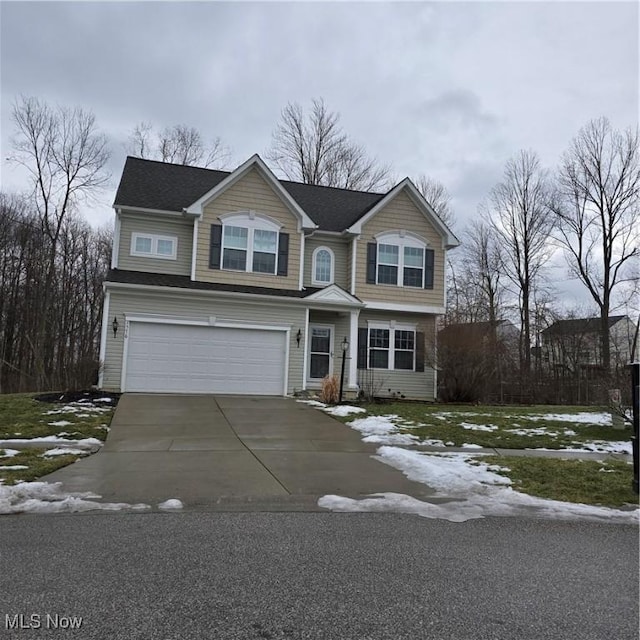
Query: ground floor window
column 392, row 348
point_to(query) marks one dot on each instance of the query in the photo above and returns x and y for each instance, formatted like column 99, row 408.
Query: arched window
column 322, row 267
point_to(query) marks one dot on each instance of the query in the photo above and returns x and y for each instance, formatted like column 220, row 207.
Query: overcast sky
column 448, row 89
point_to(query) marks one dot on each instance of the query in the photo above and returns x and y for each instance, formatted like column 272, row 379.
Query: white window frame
column 314, row 279
column 154, row 246
column 251, row 221
column 391, row 327
column 401, row 239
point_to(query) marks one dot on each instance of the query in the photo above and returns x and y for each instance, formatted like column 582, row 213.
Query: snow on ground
column 534, row 431
column 474, row 491
column 13, row 467
column 478, row 427
column 61, row 423
column 75, row 407
column 343, row 410
column 312, row 403
column 381, row 430
column 64, row 452
column 598, row 446
column 9, row 453
column 171, row 505
column 585, row 417
column 84, row 443
column 44, row 497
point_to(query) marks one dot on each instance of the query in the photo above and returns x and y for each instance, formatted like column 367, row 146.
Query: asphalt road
column 328, row 576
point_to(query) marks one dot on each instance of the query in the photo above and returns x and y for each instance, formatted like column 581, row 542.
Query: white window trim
column 392, row 327
column 401, row 239
column 154, row 246
column 331, row 280
column 251, row 221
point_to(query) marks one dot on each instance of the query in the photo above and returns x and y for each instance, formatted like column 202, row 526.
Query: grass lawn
column 585, row 481
column 23, row 417
column 507, row 427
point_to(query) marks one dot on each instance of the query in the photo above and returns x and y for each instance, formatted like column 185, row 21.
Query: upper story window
column 248, row 241
column 149, row 245
column 322, row 266
column 401, row 259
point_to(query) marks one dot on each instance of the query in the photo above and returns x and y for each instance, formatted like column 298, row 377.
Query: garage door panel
column 194, row 359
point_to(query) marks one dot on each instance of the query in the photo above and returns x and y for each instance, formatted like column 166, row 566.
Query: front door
column 320, row 351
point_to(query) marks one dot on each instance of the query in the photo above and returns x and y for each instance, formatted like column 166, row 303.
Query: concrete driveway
column 230, row 452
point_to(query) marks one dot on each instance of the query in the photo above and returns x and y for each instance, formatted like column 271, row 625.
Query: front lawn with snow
column 519, row 483
column 510, row 427
column 62, row 430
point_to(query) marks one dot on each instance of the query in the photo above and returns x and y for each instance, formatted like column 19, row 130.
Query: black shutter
column 215, row 246
column 372, row 255
column 428, row 271
column 283, row 254
column 363, row 336
column 419, row 351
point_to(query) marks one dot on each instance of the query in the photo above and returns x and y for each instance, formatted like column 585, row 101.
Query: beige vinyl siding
column 199, row 307
column 400, row 213
column 414, row 385
column 251, row 193
column 340, row 248
column 340, row 324
column 156, row 225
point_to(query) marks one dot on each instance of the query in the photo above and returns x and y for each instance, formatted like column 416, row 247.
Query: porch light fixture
column 114, row 326
column 298, row 337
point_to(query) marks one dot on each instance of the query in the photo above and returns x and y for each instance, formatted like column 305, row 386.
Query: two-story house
column 241, row 283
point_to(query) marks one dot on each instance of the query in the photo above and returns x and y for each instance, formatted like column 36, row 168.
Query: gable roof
column 149, row 184
column 577, row 326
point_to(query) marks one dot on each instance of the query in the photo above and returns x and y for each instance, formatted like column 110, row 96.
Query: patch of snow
column 584, row 417
column 103, row 400
column 64, row 452
column 16, row 467
column 449, row 444
column 312, row 403
column 397, row 439
column 472, row 487
column 61, row 423
column 76, row 407
column 467, row 445
column 534, row 431
column 171, row 504
column 343, row 410
column 84, row 443
column 478, row 427
column 603, row 470
column 9, row 453
column 44, row 497
column 622, row 446
column 569, row 432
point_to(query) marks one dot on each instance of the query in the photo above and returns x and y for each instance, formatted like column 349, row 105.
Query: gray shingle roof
column 149, row 184
column 577, row 326
column 184, row 282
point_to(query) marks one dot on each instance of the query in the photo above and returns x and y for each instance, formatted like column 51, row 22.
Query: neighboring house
column 237, row 282
column 574, row 345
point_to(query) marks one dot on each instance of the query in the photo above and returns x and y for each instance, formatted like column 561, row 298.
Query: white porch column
column 353, row 350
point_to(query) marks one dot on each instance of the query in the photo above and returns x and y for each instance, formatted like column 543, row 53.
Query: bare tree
column 436, row 194
column 518, row 211
column 596, row 208
column 178, row 144
column 65, row 156
column 313, row 149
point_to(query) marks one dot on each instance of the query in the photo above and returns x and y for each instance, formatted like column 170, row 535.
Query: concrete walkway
column 230, row 452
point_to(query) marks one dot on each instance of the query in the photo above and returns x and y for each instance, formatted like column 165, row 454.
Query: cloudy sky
column 449, row 89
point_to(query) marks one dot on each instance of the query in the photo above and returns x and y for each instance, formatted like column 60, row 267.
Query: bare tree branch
column 315, row 150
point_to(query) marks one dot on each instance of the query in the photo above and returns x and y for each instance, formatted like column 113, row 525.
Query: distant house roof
column 578, row 326
column 475, row 329
column 148, row 184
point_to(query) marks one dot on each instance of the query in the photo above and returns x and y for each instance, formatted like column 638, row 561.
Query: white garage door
column 192, row 359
